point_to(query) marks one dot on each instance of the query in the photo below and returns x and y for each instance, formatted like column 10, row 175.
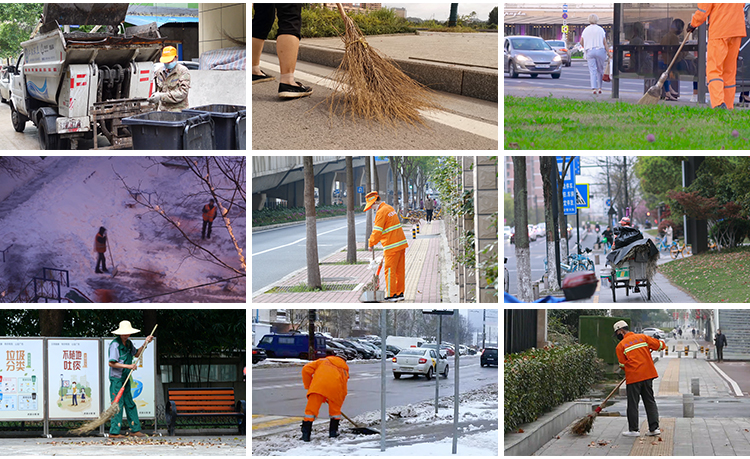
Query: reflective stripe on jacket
column 634, row 355
column 327, row 377
column 387, row 230
column 725, row 20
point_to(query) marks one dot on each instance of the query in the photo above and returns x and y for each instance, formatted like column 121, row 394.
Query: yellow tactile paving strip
column 275, row 422
column 661, row 445
column 670, row 382
column 415, row 256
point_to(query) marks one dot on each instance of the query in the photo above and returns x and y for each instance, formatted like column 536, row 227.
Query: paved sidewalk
column 422, row 268
column 230, row 445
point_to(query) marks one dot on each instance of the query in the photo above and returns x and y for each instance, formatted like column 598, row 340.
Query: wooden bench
column 207, row 402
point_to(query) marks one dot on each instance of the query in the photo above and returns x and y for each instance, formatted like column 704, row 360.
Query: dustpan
column 373, row 295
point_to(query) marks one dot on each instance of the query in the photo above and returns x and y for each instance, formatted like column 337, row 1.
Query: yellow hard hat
column 167, row 54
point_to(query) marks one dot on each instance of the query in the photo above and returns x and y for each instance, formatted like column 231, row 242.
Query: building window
column 166, row 374
column 209, row 373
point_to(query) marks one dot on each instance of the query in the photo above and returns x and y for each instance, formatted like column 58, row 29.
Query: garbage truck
column 78, row 85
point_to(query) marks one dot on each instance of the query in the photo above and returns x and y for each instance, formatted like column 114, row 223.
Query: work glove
column 690, row 28
column 374, row 266
column 156, row 97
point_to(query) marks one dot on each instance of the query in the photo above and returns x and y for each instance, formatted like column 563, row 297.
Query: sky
column 441, row 11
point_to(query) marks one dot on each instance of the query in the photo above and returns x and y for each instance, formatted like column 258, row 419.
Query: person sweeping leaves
column 121, row 355
column 634, row 354
column 387, row 230
column 325, row 381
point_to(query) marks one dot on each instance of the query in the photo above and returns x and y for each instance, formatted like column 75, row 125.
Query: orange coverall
column 726, row 27
column 327, row 385
column 634, row 355
column 387, row 230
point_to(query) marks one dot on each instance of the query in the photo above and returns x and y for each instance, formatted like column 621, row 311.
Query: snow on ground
column 52, row 218
column 412, row 429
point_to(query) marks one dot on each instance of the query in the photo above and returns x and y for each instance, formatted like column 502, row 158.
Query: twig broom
column 653, row 95
column 114, row 408
column 585, row 424
column 370, row 86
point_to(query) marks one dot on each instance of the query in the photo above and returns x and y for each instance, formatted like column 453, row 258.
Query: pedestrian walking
column 172, row 83
column 720, row 340
column 634, row 354
column 726, row 29
column 100, row 247
column 121, row 355
column 694, row 333
column 387, row 230
column 287, row 44
column 428, row 207
column 594, row 42
column 670, row 232
column 325, row 381
column 679, row 332
column 209, row 214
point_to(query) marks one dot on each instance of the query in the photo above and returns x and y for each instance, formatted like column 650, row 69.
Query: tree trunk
column 351, row 235
column 51, row 322
column 547, row 165
column 376, row 177
column 313, row 268
column 394, row 172
column 523, row 253
column 561, row 214
column 368, row 189
column 405, row 192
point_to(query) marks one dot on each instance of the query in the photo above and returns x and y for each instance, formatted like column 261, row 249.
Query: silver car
column 530, row 55
column 562, row 49
column 419, row 361
column 4, row 84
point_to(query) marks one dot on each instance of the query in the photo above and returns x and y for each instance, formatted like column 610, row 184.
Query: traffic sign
column 582, row 195
column 565, row 30
column 569, row 190
column 360, row 189
column 576, row 166
column 609, row 202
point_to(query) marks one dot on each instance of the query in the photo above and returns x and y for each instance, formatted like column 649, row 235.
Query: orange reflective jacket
column 209, row 213
column 387, row 230
column 100, row 247
column 634, row 354
column 327, row 377
column 725, row 20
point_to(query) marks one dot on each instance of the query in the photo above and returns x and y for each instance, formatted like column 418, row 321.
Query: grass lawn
column 540, row 123
column 713, row 277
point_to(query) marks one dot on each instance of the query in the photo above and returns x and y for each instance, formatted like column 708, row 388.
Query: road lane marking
column 300, row 240
column 479, row 128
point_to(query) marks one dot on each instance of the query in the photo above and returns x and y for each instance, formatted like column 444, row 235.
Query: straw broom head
column 584, row 425
column 371, row 87
column 104, row 417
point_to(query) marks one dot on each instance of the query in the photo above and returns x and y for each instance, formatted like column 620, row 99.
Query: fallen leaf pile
column 153, row 441
column 596, row 443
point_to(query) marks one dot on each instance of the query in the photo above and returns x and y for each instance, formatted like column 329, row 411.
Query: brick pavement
column 422, row 269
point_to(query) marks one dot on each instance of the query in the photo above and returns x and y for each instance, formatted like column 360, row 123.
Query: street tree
column 547, row 165
column 394, row 162
column 17, row 21
column 523, row 253
column 426, row 166
column 493, row 17
column 313, row 267
column 351, row 233
column 725, row 224
column 368, row 189
column 508, row 209
column 658, row 175
column 562, row 221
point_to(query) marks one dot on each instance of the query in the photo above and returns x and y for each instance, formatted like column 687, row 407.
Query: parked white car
column 419, row 361
column 652, row 331
column 4, row 84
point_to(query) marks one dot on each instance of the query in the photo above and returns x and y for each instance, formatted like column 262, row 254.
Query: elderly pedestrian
column 172, row 83
column 726, row 29
column 594, row 42
column 634, row 354
column 121, row 355
column 720, row 340
column 325, row 381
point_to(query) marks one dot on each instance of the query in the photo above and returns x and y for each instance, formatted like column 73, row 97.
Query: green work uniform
column 174, row 85
column 122, row 353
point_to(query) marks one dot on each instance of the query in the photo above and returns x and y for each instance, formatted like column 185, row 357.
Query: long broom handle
column 111, row 260
column 677, row 53
column 140, row 357
column 341, row 11
column 612, row 393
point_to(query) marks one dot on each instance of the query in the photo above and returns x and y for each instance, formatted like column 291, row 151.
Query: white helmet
column 620, row 324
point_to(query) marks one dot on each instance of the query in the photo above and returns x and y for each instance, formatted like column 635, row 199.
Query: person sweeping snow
column 387, row 230
column 121, row 355
column 634, row 354
column 325, row 381
column 100, row 247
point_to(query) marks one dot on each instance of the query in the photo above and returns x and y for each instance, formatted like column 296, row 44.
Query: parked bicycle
column 676, row 249
column 661, row 244
column 581, row 261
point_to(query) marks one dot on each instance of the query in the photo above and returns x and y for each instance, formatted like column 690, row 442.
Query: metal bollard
column 661, row 354
column 679, row 355
column 596, row 259
column 413, row 233
column 688, row 405
column 695, row 354
column 535, row 290
column 417, row 228
column 695, row 386
column 666, row 350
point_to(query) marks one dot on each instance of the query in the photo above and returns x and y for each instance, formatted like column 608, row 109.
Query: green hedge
column 538, row 380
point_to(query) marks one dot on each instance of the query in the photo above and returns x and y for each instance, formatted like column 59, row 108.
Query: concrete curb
column 455, row 79
column 538, row 433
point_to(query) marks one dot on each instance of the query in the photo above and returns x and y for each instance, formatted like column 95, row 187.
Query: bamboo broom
column 370, row 86
column 584, row 425
column 114, row 408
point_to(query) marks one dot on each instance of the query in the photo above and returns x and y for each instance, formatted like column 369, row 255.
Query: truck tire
column 49, row 141
column 17, row 119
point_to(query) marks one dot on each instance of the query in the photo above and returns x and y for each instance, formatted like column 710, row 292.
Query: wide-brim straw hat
column 371, row 197
column 125, row 329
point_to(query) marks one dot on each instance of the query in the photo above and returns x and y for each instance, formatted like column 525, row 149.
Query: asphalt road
column 12, row 140
column 306, row 123
column 576, row 77
column 278, row 391
column 281, row 251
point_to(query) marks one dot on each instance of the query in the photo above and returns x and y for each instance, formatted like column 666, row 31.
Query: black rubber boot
column 333, row 428
column 306, row 430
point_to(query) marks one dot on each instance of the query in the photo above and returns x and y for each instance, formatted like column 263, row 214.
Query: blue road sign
column 569, row 193
column 582, row 195
column 576, row 166
column 381, row 158
column 360, row 189
column 609, row 202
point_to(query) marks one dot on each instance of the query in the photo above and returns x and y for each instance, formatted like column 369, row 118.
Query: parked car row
column 537, row 231
column 295, row 345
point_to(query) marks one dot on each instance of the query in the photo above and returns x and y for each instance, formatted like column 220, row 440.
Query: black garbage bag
column 625, row 236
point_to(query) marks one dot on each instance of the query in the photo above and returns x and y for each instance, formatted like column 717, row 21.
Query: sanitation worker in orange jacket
column 634, row 355
column 387, row 230
column 209, row 214
column 100, row 246
column 726, row 27
column 325, row 381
